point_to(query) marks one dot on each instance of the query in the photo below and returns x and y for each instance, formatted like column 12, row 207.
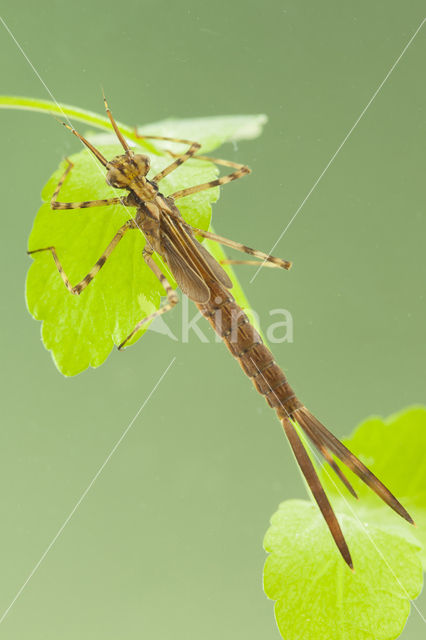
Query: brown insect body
column 256, row 360
column 244, row 342
column 204, row 281
column 246, row 345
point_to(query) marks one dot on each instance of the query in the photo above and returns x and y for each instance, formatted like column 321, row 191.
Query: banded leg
column 78, row 288
column 223, row 163
column 241, row 170
column 253, row 263
column 273, row 262
column 171, row 296
column 180, row 157
column 54, row 204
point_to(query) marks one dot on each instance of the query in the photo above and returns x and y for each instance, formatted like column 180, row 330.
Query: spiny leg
column 78, row 288
column 180, row 157
column 54, row 204
column 273, row 262
column 171, row 296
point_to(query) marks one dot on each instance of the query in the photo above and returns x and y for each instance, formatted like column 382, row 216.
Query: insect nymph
column 207, row 284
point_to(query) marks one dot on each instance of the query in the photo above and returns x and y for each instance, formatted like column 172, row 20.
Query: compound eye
column 116, row 179
column 143, row 163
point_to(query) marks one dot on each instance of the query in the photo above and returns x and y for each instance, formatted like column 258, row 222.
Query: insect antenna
column 93, row 149
column 116, row 129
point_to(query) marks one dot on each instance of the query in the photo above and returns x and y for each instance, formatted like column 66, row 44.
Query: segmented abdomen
column 244, row 342
column 257, row 362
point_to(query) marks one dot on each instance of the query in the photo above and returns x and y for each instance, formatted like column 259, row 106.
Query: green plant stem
column 74, row 113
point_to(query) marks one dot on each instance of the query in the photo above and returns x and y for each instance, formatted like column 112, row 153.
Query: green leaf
column 66, row 111
column 210, row 132
column 81, row 330
column 317, row 595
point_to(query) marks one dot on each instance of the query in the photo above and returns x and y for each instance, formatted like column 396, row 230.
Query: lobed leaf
column 317, row 596
column 210, row 132
column 81, row 331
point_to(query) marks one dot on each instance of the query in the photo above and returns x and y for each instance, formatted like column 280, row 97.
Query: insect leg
column 78, row 288
column 77, row 205
column 171, row 296
column 270, row 260
column 241, row 170
column 224, row 163
column 180, row 157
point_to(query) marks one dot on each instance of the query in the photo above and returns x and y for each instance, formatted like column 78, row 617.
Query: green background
column 168, row 542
